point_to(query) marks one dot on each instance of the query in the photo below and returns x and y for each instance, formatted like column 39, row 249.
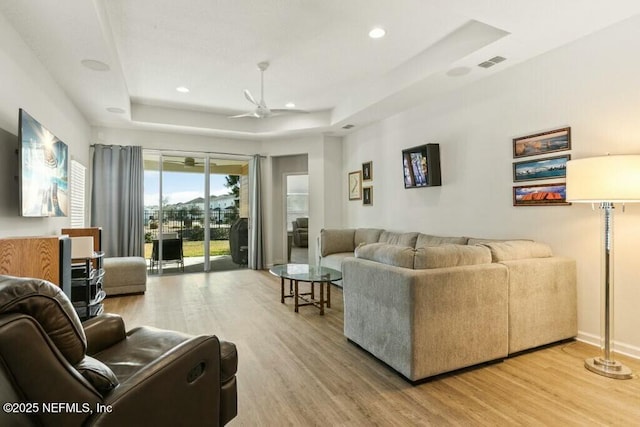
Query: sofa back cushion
column 396, row 255
column 517, row 249
column 450, row 256
column 366, row 235
column 401, row 239
column 425, row 240
column 333, row 241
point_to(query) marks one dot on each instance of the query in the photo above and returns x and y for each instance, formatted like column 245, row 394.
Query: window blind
column 78, row 172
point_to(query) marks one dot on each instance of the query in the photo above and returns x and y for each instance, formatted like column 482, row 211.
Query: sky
column 180, row 186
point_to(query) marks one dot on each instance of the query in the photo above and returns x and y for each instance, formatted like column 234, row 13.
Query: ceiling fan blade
column 249, row 97
column 249, row 114
column 288, row 110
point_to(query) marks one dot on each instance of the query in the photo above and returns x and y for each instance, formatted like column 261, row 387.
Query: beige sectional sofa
column 426, row 305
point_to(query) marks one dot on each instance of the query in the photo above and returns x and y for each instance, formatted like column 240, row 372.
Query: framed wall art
column 542, row 143
column 367, row 196
column 355, row 185
column 539, row 169
column 540, row 194
column 367, row 171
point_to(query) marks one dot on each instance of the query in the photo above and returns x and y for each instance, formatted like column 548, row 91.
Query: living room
column 587, row 83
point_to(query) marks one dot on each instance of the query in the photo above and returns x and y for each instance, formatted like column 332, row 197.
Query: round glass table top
column 306, row 273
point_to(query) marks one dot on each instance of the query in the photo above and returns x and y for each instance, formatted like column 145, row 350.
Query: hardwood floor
column 299, row 370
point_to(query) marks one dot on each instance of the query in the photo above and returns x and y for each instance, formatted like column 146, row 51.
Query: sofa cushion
column 366, row 235
column 335, row 241
column 517, row 249
column 480, row 241
column 396, row 255
column 425, row 240
column 401, row 239
column 450, row 256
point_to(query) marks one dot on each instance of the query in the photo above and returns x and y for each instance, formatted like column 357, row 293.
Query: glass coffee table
column 313, row 274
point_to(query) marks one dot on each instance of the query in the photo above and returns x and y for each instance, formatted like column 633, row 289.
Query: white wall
column 591, row 85
column 26, row 84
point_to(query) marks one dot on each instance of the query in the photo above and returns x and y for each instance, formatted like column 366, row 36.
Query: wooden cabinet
column 47, row 258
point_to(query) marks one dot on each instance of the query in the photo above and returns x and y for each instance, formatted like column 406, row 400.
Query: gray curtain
column 256, row 247
column 117, row 199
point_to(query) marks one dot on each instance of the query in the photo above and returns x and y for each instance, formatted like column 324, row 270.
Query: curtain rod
column 185, row 151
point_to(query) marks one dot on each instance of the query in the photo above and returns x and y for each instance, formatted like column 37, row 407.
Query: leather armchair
column 58, row 371
column 301, row 232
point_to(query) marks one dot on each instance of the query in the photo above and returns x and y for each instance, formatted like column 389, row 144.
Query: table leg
column 322, row 298
column 282, row 290
column 328, row 294
column 295, row 297
column 313, row 292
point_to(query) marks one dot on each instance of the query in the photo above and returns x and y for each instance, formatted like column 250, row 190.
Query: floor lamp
column 605, row 181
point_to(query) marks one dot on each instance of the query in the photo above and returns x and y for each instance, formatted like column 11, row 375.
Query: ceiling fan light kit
column 261, row 110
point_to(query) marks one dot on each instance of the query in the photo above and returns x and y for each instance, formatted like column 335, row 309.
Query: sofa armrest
column 103, row 331
column 170, row 390
column 333, row 241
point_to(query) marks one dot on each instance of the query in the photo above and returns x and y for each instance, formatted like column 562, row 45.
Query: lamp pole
column 605, row 364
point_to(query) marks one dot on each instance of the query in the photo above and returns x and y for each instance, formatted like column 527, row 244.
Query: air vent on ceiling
column 491, row 62
column 349, row 126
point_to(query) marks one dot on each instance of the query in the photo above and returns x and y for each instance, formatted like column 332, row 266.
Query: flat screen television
column 44, row 178
column 421, row 166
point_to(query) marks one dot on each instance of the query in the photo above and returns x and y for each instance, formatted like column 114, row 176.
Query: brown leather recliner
column 55, row 370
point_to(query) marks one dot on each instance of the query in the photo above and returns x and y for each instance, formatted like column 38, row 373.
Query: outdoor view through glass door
column 196, row 208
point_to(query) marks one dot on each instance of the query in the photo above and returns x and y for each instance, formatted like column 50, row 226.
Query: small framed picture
column 547, row 168
column 367, row 171
column 355, row 185
column 542, row 143
column 540, row 195
column 367, row 196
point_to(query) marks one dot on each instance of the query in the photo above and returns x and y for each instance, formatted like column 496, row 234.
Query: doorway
column 297, row 217
column 193, row 204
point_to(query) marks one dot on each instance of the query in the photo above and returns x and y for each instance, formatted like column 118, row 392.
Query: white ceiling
column 321, row 57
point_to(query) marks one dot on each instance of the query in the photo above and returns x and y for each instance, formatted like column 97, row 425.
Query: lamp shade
column 604, row 179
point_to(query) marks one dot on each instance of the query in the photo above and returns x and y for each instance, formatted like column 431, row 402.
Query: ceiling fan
column 262, row 111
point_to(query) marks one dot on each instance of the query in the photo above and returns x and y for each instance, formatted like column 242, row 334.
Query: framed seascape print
column 547, row 168
column 367, row 171
column 542, row 143
column 540, row 195
column 367, row 196
column 355, row 185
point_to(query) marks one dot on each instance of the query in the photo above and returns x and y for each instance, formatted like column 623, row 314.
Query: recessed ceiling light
column 458, row 71
column 94, row 65
column 377, row 33
column 290, row 105
column 115, row 110
column 182, row 89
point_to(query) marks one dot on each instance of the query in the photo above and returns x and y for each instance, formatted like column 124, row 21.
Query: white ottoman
column 124, row 275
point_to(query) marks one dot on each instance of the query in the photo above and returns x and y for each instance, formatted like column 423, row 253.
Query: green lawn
column 193, row 249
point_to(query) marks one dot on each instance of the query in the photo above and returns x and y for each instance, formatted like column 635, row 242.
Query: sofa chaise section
column 426, row 322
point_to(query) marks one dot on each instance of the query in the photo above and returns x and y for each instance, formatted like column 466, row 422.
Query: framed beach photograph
column 355, row 185
column 542, row 143
column 540, row 195
column 367, row 171
column 547, row 168
column 367, row 196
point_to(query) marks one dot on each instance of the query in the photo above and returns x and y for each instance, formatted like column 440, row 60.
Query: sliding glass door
column 192, row 204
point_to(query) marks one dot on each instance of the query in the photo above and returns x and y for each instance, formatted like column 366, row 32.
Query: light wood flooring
column 299, row 370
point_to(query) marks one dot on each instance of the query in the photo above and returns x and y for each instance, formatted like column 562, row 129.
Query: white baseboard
column 618, row 347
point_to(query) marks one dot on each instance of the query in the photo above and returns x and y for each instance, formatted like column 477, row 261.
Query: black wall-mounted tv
column 44, row 178
column 421, row 166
